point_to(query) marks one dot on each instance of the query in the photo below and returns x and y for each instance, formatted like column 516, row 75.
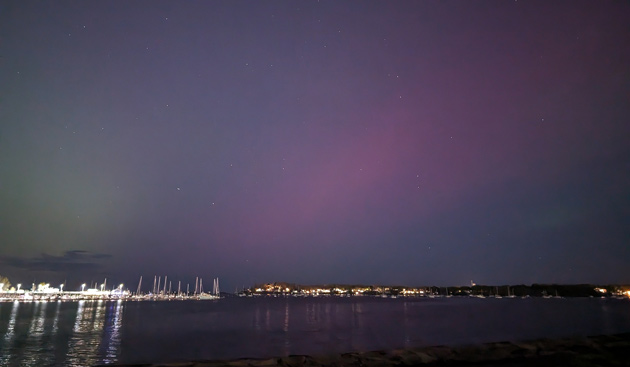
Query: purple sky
column 411, row 142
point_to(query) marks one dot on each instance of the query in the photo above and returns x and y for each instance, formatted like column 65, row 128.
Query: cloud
column 73, row 260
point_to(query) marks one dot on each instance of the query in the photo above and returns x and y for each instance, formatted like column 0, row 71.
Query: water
column 93, row 332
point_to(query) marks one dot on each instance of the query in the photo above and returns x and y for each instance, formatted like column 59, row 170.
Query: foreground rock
column 607, row 350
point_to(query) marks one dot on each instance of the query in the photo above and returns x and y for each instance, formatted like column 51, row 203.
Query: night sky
column 373, row 142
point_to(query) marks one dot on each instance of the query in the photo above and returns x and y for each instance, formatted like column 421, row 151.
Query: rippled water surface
column 97, row 332
column 60, row 333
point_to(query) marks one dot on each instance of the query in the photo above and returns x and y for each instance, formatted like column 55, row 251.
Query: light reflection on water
column 9, row 335
column 113, row 340
column 407, row 342
column 60, row 333
column 92, row 332
column 285, row 329
column 33, row 350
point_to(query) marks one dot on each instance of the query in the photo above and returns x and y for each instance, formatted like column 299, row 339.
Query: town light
column 1, row 286
column 60, row 287
column 82, row 287
column 19, row 286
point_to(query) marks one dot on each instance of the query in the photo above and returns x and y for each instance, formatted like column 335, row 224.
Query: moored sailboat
column 209, row 296
column 510, row 295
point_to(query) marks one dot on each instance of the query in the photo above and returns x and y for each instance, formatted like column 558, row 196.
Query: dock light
column 60, row 287
column 19, row 286
column 120, row 287
column 82, row 287
column 102, row 286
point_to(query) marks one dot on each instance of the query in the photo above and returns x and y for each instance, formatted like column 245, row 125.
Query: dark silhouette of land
column 521, row 290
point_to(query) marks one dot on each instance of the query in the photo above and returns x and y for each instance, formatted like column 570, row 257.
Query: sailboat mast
column 139, row 285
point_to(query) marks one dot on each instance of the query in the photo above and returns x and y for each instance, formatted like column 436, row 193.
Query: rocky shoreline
column 603, row 350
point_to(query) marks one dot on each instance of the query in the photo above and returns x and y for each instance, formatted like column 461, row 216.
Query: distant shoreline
column 582, row 351
column 519, row 290
column 339, row 290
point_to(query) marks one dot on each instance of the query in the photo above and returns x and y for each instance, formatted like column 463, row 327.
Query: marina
column 44, row 292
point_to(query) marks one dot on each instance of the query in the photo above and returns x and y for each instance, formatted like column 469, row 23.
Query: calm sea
column 88, row 333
